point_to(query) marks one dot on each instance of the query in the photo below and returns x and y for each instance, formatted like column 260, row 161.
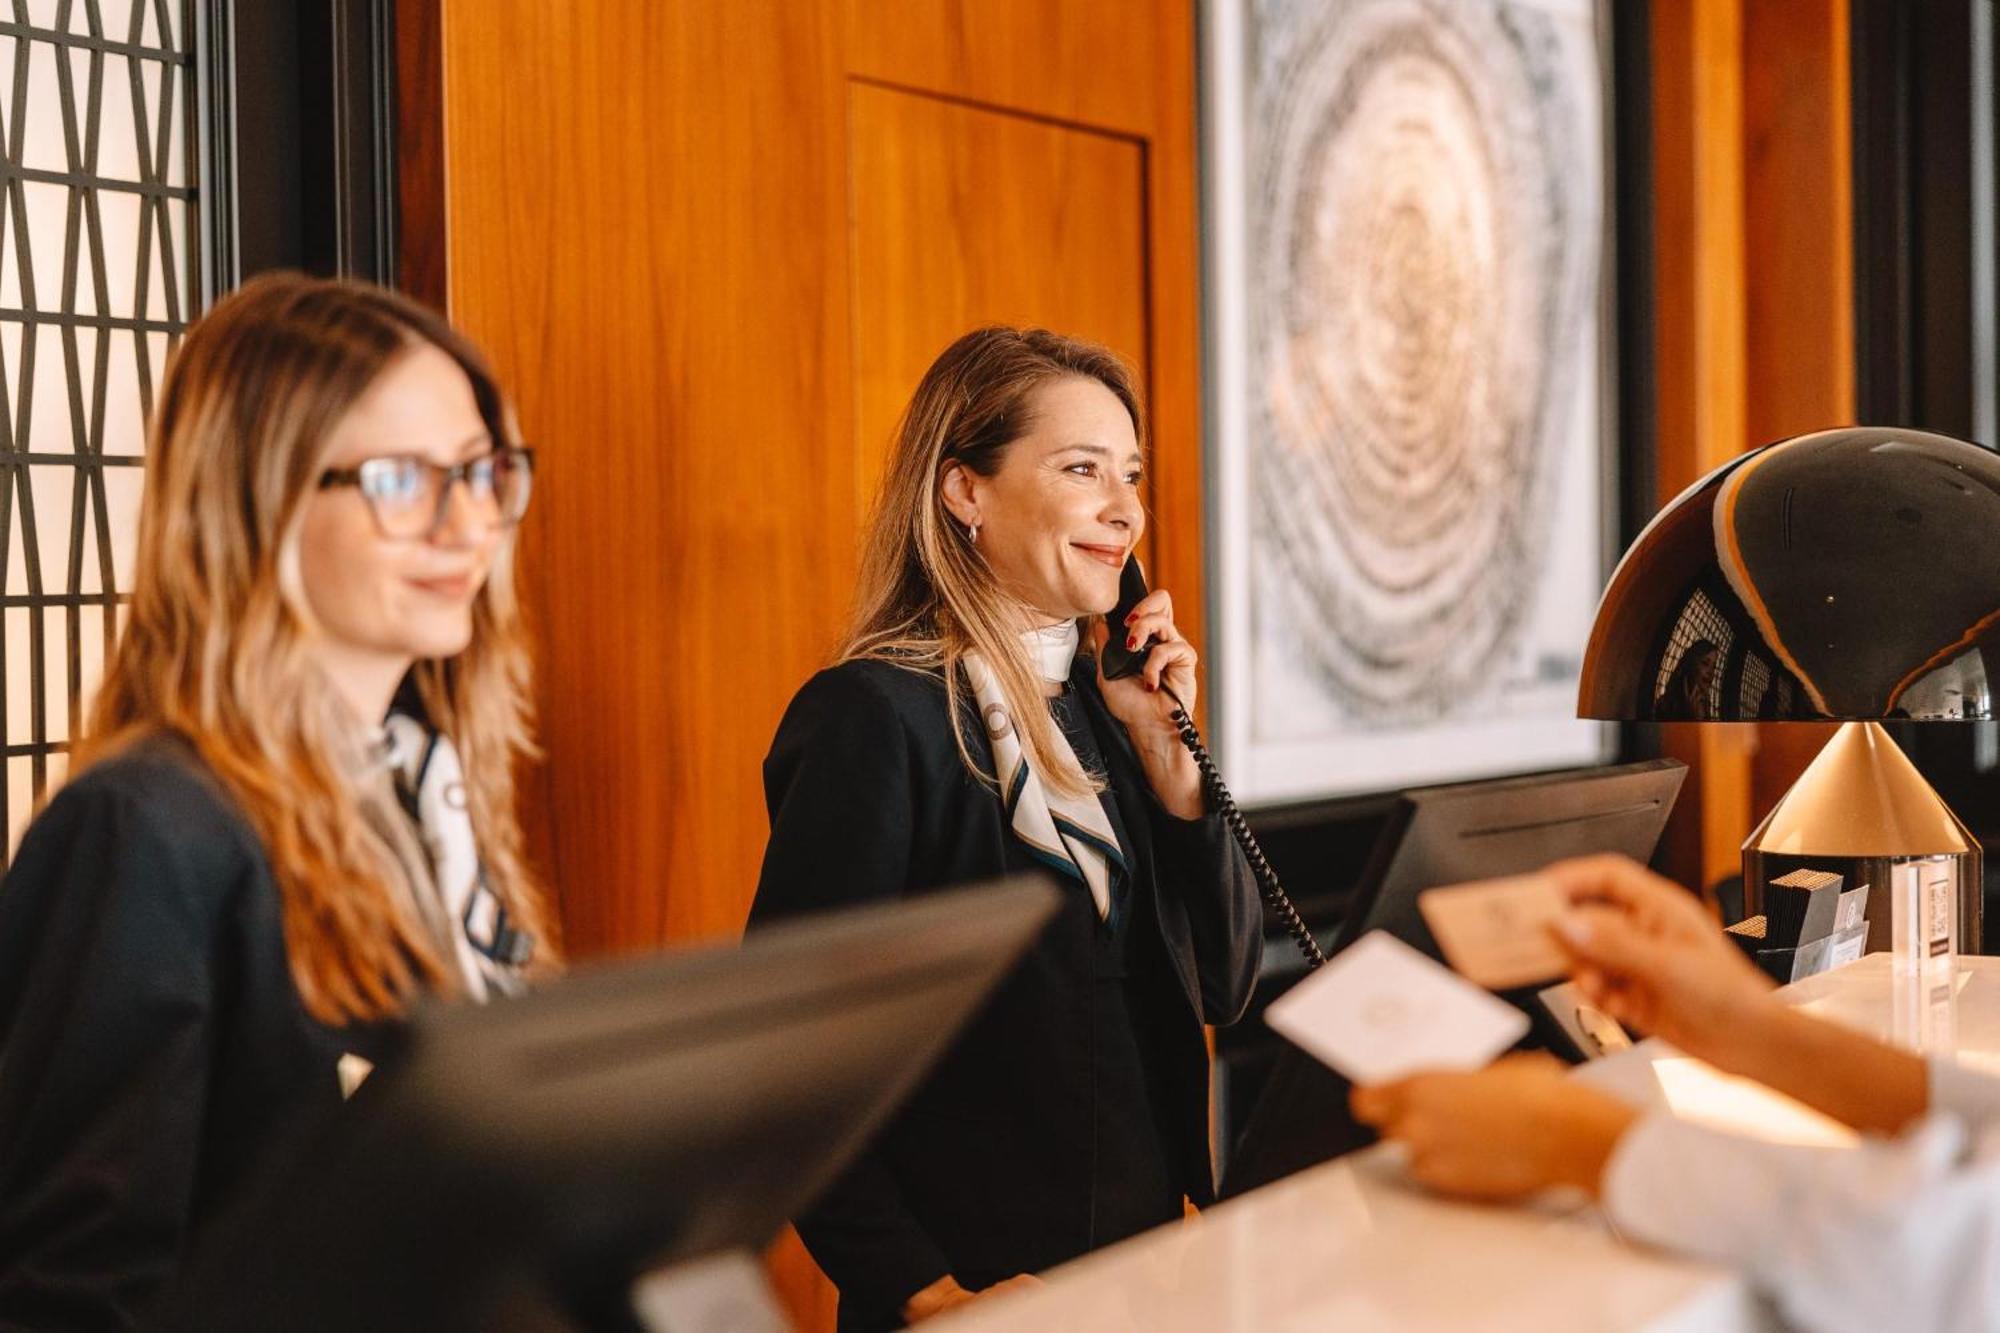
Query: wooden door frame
column 298, row 114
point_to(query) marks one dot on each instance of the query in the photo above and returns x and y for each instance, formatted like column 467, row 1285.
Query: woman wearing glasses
column 292, row 810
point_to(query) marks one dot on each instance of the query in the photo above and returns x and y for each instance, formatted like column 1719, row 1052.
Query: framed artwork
column 1410, row 324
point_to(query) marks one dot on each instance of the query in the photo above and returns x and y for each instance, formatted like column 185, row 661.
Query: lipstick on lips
column 1110, row 555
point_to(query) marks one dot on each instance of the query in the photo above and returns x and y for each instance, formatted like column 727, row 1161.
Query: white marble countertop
column 1351, row 1245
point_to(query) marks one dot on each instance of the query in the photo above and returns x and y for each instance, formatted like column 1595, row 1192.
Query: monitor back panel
column 1437, row 836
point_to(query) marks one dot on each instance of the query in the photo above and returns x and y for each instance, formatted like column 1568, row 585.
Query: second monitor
column 1435, row 836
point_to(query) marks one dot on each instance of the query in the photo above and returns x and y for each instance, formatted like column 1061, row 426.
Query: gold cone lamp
column 1848, row 575
column 1861, row 801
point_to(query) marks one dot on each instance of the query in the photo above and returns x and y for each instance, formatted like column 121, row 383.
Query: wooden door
column 966, row 215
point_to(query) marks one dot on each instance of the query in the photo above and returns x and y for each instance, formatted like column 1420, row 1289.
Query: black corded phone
column 1120, row 662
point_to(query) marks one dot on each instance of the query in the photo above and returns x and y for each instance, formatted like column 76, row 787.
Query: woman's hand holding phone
column 1145, row 701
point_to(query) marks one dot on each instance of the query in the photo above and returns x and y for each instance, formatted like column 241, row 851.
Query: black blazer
column 155, row 1056
column 983, row 1173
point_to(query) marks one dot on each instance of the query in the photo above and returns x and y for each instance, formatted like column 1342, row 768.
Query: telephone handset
column 1120, row 662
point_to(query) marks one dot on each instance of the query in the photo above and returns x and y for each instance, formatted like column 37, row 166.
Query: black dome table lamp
column 1849, row 576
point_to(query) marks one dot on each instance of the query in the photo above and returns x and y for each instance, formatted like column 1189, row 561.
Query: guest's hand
column 1145, row 708
column 1511, row 1130
column 946, row 1294
column 1018, row 1282
column 941, row 1295
column 1649, row 954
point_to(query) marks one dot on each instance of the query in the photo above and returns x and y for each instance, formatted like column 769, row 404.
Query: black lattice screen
column 97, row 276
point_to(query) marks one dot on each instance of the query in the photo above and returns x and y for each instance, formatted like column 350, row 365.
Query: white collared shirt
column 1900, row 1233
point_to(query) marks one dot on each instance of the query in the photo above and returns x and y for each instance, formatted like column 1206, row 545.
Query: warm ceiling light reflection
column 1701, row 1093
column 1985, row 1062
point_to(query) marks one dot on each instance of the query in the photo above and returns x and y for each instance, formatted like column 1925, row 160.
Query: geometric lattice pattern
column 1756, row 683
column 97, row 277
column 1696, row 652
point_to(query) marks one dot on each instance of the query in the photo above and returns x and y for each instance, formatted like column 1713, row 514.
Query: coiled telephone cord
column 1225, row 804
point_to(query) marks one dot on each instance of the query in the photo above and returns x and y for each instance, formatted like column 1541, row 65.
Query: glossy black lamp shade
column 1847, row 575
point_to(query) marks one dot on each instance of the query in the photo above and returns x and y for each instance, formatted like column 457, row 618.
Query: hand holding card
column 1496, row 933
column 1380, row 1010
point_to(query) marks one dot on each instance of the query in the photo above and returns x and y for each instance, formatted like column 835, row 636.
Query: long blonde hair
column 927, row 597
column 215, row 644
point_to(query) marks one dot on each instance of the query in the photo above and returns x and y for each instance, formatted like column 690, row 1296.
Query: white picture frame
column 1290, row 725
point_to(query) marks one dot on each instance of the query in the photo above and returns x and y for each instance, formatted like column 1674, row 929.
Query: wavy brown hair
column 927, row 597
column 216, row 644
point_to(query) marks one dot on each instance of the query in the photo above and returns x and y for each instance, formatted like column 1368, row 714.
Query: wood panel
column 965, row 216
column 646, row 217
column 670, row 307
column 1755, row 335
column 646, row 208
column 1123, row 65
column 419, row 101
column 1701, row 368
column 1800, row 343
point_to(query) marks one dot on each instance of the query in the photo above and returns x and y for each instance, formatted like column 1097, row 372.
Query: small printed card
column 1847, row 946
column 1379, row 1010
column 1495, row 932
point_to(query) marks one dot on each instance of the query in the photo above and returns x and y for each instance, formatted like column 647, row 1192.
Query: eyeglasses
column 408, row 495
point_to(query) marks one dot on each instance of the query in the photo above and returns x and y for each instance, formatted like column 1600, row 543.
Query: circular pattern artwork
column 1425, row 227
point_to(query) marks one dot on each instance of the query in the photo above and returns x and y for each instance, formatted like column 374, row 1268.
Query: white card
column 721, row 1291
column 353, row 1071
column 1378, row 1010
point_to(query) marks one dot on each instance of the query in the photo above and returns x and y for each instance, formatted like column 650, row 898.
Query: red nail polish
column 1131, row 641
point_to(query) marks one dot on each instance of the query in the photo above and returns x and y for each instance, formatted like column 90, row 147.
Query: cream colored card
column 1496, row 932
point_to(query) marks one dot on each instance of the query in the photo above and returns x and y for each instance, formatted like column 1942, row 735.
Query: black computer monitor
column 1435, row 836
column 1476, row 830
column 521, row 1163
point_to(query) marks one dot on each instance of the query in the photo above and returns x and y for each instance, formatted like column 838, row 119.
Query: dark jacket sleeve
column 839, row 789
column 107, row 955
column 1200, row 863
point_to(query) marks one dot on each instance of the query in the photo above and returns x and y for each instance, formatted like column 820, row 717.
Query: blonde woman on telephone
column 966, row 732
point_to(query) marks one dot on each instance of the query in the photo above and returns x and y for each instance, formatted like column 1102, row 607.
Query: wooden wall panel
column 965, row 216
column 420, row 205
column 1800, row 342
column 646, row 231
column 1754, row 272
column 647, row 223
column 1699, row 286
column 1119, row 65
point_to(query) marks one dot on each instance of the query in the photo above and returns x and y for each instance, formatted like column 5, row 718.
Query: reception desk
column 1351, row 1245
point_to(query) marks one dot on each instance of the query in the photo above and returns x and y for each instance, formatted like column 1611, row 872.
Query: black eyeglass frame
column 448, row 477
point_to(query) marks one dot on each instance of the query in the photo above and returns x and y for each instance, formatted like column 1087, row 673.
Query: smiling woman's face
column 1059, row 518
column 382, row 600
